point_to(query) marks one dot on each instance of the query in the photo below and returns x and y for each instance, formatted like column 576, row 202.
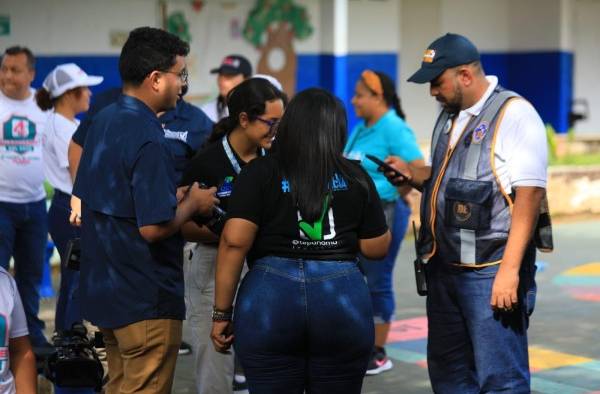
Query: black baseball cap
column 447, row 51
column 233, row 65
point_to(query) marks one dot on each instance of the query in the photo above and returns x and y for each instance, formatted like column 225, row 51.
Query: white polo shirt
column 210, row 109
column 21, row 166
column 521, row 153
column 57, row 135
column 12, row 325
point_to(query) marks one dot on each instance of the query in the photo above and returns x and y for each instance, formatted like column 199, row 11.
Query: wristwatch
column 221, row 315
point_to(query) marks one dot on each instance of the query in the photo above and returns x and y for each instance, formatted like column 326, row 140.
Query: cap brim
column 93, row 80
column 226, row 70
column 426, row 74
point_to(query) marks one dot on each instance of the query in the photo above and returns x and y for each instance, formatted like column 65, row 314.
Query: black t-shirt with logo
column 212, row 167
column 262, row 195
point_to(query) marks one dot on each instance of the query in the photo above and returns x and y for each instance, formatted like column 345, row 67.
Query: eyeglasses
column 269, row 122
column 183, row 75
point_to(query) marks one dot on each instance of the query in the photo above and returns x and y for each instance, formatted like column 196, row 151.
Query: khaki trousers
column 142, row 356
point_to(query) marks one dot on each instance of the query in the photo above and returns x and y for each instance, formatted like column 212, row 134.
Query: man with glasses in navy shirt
column 131, row 275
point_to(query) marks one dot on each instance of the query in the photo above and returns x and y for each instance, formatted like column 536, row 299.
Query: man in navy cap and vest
column 482, row 193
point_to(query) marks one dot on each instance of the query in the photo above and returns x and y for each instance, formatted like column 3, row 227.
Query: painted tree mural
column 271, row 27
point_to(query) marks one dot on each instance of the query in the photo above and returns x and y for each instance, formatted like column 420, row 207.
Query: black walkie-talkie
column 420, row 275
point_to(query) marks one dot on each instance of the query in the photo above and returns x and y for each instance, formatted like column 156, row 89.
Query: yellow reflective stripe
column 438, row 181
column 493, row 154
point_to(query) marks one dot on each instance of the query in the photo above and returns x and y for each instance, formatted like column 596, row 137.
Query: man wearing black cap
column 482, row 193
column 233, row 70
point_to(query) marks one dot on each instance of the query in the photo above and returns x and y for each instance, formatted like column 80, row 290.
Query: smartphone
column 386, row 166
column 73, row 254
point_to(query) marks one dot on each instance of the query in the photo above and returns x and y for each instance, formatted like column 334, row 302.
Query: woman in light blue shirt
column 381, row 133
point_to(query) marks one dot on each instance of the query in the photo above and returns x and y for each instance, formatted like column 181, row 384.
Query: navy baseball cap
column 233, row 65
column 447, row 51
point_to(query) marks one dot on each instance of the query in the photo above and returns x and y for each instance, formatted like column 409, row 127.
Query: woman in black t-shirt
column 255, row 107
column 303, row 317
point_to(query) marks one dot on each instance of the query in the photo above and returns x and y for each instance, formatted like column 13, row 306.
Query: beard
column 454, row 104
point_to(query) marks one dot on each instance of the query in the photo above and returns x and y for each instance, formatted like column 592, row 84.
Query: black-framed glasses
column 183, row 75
column 270, row 122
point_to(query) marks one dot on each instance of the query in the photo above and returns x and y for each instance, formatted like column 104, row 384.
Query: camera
column 215, row 222
column 75, row 362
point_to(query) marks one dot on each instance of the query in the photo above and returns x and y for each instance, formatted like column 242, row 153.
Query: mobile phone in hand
column 386, row 166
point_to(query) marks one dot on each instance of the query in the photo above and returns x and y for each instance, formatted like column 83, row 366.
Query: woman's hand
column 222, row 335
column 75, row 216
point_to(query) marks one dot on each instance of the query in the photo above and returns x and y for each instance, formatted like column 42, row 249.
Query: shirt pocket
column 468, row 204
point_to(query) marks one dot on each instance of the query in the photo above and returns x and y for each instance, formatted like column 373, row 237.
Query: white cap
column 68, row 76
column 271, row 79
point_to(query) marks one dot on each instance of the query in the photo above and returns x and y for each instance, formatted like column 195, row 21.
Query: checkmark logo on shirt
column 314, row 231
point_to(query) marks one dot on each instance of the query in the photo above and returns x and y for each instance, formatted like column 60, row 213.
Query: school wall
column 544, row 49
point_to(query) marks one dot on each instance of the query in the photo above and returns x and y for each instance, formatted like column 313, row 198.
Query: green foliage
column 266, row 12
column 551, row 138
column 49, row 190
column 178, row 25
column 579, row 159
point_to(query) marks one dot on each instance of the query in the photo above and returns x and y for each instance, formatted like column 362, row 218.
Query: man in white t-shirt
column 17, row 361
column 23, row 219
column 482, row 193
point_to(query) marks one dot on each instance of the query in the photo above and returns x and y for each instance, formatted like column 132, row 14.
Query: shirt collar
column 135, row 104
column 475, row 109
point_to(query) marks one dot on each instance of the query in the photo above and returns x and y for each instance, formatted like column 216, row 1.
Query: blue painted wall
column 107, row 66
column 323, row 70
column 543, row 78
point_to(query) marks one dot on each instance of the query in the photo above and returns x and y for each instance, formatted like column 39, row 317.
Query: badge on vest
column 479, row 133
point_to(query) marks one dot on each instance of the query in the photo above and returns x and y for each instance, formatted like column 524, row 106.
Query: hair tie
column 372, row 81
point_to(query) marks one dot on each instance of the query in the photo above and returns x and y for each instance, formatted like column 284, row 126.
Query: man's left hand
column 504, row 290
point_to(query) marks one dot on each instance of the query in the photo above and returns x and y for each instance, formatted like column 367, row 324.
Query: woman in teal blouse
column 382, row 132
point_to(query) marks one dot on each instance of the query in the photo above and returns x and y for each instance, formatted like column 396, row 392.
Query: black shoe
column 239, row 383
column 379, row 362
column 185, row 348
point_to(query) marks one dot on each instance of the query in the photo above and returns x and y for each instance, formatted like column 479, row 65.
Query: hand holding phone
column 396, row 176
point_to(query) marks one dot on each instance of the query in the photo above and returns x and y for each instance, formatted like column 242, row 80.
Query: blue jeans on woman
column 68, row 309
column 379, row 273
column 303, row 325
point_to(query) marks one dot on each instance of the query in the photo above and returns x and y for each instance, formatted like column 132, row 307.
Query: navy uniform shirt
column 125, row 181
column 185, row 127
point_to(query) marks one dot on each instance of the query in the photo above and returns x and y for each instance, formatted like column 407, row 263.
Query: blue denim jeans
column 379, row 273
column 472, row 348
column 23, row 235
column 303, row 325
column 68, row 308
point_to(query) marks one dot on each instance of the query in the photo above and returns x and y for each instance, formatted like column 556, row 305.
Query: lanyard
column 229, row 152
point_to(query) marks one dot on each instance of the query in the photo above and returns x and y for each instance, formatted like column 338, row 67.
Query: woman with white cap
column 64, row 91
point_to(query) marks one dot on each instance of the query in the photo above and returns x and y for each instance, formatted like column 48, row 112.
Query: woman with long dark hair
column 255, row 107
column 382, row 132
column 303, row 318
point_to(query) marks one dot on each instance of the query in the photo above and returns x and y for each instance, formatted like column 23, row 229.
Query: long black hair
column 250, row 97
column 309, row 146
column 390, row 96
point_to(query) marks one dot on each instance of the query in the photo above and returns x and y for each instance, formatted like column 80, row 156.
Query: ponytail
column 43, row 100
column 390, row 95
column 397, row 107
column 221, row 128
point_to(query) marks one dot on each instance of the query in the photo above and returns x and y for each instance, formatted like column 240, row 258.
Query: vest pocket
column 468, row 204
